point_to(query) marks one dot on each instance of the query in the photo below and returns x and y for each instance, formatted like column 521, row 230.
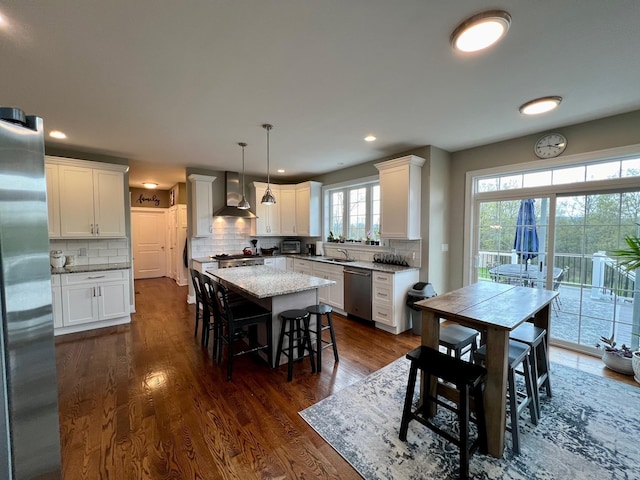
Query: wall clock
column 550, row 145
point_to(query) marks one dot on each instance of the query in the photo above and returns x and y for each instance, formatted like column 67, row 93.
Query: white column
column 597, row 276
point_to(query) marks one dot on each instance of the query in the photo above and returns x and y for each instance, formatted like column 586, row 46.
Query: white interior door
column 149, row 227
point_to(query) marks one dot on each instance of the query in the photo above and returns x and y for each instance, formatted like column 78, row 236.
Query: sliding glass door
column 596, row 296
column 575, row 234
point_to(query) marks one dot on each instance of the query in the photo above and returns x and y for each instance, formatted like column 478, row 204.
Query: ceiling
column 170, row 85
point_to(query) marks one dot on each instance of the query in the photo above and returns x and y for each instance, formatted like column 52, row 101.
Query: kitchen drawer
column 383, row 314
column 91, row 277
column 55, row 280
column 382, row 294
column 382, row 277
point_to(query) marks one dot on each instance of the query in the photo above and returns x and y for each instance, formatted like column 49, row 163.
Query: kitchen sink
column 340, row 260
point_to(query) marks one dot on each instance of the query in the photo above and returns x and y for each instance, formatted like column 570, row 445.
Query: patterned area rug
column 590, row 429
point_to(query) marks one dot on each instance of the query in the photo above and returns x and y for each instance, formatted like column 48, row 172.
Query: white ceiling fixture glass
column 370, row 138
column 57, row 134
column 244, row 203
column 268, row 198
column 540, row 105
column 150, row 185
column 480, row 31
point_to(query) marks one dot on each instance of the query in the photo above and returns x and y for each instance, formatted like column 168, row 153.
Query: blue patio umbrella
column 525, row 242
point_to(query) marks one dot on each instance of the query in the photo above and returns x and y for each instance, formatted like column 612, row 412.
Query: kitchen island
column 274, row 289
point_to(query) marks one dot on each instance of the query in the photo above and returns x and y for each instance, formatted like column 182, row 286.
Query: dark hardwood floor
column 144, row 401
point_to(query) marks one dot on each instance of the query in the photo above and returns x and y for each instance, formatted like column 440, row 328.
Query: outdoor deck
column 580, row 319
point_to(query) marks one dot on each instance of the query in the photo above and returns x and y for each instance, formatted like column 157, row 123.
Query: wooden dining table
column 496, row 309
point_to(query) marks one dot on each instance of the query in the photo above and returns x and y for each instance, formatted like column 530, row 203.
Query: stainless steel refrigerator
column 29, row 426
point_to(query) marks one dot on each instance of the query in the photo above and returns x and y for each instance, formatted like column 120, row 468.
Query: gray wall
column 610, row 132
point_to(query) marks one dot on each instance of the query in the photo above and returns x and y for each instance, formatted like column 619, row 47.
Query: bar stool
column 299, row 336
column 518, row 354
column 535, row 338
column 468, row 379
column 456, row 338
column 320, row 310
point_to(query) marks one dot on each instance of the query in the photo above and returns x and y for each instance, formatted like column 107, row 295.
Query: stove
column 229, row 261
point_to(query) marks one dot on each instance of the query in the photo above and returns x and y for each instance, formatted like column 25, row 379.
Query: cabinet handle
column 99, row 291
column 93, row 291
column 97, row 229
column 97, row 276
column 382, row 314
column 382, row 294
column 92, row 229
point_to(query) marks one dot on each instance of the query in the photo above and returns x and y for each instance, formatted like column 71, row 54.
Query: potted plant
column 618, row 359
column 629, row 258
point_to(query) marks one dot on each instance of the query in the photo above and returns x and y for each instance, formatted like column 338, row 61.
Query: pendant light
column 268, row 198
column 243, row 204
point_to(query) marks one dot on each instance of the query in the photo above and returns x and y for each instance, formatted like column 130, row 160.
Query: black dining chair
column 238, row 321
column 202, row 310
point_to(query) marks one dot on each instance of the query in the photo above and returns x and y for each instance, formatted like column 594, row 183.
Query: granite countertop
column 265, row 282
column 204, row 260
column 92, row 268
column 378, row 267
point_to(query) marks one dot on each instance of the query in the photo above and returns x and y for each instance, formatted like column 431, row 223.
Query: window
column 354, row 211
column 565, row 174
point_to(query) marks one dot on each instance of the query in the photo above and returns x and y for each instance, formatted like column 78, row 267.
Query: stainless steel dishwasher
column 357, row 292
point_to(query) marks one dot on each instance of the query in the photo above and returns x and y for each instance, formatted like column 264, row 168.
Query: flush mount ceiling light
column 480, row 31
column 280, row 170
column 150, row 185
column 370, row 138
column 268, row 198
column 540, row 105
column 244, row 203
column 57, row 134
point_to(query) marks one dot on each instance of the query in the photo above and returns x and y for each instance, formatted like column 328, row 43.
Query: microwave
column 290, row 246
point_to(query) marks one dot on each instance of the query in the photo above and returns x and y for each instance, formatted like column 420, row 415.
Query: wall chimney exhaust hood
column 233, row 195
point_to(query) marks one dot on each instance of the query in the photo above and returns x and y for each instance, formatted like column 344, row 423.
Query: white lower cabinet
column 56, row 301
column 289, row 264
column 333, row 294
column 303, row 266
column 276, row 262
column 389, row 291
column 94, row 300
column 202, row 267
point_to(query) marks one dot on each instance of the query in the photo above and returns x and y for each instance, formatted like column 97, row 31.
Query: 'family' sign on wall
column 142, row 197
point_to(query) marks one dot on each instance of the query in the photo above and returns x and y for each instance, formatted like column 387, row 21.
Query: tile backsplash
column 230, row 235
column 410, row 249
column 94, row 252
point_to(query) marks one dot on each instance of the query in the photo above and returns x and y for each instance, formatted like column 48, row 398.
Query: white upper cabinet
column 268, row 216
column 201, row 205
column 296, row 212
column 287, row 201
column 400, row 192
column 90, row 200
column 308, row 197
column 53, row 200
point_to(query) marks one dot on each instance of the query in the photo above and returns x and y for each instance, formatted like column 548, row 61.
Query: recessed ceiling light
column 280, row 170
column 370, row 138
column 150, row 185
column 540, row 105
column 480, row 31
column 57, row 134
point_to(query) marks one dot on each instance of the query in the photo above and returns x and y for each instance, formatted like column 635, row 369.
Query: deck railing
column 600, row 272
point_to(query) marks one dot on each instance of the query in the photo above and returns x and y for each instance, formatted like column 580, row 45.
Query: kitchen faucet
column 345, row 252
